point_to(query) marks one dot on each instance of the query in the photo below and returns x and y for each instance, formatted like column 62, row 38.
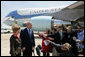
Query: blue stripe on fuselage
column 17, row 16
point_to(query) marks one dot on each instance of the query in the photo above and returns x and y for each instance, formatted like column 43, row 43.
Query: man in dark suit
column 59, row 38
column 28, row 41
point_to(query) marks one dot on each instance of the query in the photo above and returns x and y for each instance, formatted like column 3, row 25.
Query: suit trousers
column 27, row 52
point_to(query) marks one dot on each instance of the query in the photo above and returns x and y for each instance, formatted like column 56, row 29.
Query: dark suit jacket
column 69, row 39
column 26, row 40
column 57, row 37
column 15, row 46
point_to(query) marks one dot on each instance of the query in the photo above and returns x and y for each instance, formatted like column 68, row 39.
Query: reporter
column 80, row 39
column 45, row 44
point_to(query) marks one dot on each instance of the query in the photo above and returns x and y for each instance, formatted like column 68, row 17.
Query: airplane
column 4, row 27
column 34, row 15
column 31, row 12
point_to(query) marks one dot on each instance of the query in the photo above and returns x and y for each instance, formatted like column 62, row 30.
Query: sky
column 8, row 6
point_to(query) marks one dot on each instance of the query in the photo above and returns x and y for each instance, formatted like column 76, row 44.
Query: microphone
column 58, row 45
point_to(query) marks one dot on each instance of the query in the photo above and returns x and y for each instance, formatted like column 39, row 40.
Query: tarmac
column 5, row 44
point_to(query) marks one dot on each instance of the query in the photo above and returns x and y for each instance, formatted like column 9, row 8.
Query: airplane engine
column 41, row 23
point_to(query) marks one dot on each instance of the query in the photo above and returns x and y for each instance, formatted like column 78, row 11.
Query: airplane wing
column 71, row 13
